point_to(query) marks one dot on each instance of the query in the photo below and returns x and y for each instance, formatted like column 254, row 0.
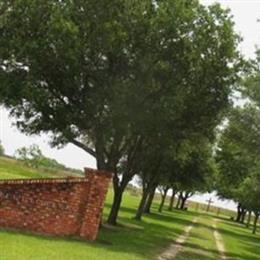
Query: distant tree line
column 32, row 156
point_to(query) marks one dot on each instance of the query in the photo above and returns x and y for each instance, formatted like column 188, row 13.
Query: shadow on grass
column 202, row 253
column 154, row 232
column 144, row 238
column 247, row 243
column 159, row 234
column 194, row 256
column 147, row 238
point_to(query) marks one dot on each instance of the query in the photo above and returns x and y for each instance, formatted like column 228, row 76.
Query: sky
column 13, row 139
column 245, row 14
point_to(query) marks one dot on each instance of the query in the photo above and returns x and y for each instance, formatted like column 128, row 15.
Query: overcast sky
column 246, row 13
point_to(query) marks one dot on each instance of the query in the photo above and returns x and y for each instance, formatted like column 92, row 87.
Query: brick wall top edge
column 44, row 180
column 101, row 172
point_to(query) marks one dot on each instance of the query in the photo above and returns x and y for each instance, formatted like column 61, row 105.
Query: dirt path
column 175, row 247
column 219, row 241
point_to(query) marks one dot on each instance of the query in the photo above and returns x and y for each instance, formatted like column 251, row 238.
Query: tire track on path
column 176, row 246
column 219, row 241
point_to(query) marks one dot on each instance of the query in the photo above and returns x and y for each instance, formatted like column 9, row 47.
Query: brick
column 61, row 206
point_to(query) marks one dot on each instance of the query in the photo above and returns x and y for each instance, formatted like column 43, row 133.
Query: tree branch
column 84, row 147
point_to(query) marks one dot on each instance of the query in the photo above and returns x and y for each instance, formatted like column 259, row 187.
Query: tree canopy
column 238, row 159
column 110, row 76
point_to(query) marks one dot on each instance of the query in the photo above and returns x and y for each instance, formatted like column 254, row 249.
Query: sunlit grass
column 131, row 239
column 239, row 241
column 12, row 169
column 201, row 243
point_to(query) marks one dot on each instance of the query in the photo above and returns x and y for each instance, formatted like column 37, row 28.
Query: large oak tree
column 105, row 75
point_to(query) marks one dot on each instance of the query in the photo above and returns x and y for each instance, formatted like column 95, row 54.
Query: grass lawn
column 201, row 243
column 12, row 169
column 239, row 241
column 131, row 239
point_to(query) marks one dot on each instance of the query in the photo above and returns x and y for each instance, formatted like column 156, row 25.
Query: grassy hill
column 13, row 169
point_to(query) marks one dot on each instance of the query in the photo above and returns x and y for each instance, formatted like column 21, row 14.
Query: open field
column 13, row 169
column 132, row 239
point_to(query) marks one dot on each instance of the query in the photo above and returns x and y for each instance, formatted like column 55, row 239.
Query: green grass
column 13, row 169
column 131, row 239
column 239, row 241
column 201, row 243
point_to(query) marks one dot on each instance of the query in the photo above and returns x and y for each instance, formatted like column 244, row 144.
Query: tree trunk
column 184, row 196
column 112, row 218
column 243, row 215
column 142, row 203
column 239, row 212
column 149, row 200
column 109, row 166
column 178, row 201
column 170, row 208
column 249, row 219
column 119, row 188
column 163, row 199
column 255, row 223
column 183, row 200
column 100, row 154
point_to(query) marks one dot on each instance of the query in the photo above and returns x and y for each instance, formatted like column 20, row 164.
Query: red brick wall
column 64, row 206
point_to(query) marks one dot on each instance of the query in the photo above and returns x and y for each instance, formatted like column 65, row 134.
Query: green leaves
column 114, row 70
column 238, row 157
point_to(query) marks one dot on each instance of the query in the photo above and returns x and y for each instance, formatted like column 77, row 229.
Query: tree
column 72, row 72
column 104, row 75
column 196, row 169
column 237, row 154
column 249, row 193
column 186, row 166
column 163, row 190
column 2, row 150
column 172, row 198
column 149, row 200
column 149, row 172
column 160, row 108
column 33, row 157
